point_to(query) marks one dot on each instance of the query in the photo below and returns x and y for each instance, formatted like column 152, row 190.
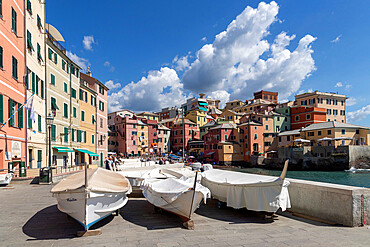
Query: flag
column 30, row 108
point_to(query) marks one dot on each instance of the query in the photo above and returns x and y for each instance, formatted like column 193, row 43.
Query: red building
column 251, row 137
column 302, row 116
column 126, row 129
column 265, row 95
column 220, row 133
column 12, row 86
column 191, row 133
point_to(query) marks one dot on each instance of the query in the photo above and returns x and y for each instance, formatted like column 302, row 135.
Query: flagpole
column 17, row 110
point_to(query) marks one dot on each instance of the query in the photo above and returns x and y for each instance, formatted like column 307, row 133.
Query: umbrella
column 301, row 140
column 325, row 139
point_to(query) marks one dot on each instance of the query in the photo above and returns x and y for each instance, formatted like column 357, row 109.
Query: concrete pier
column 29, row 217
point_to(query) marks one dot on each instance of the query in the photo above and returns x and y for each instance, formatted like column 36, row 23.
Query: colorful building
column 303, row 116
column 148, row 115
column 233, row 104
column 230, row 115
column 266, row 95
column 13, row 149
column 127, row 135
column 334, row 104
column 191, row 133
column 163, row 140
column 143, row 140
column 197, row 116
column 251, row 132
column 168, row 112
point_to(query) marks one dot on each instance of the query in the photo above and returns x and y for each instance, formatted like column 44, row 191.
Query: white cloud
column 88, row 41
column 337, row 39
column 233, row 61
column 348, row 86
column 82, row 62
column 108, row 64
column 181, row 63
column 221, row 95
column 159, row 89
column 111, row 85
column 204, row 39
column 351, row 101
column 358, row 115
column 339, row 84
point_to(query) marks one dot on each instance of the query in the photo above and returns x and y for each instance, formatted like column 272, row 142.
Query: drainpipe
column 25, row 88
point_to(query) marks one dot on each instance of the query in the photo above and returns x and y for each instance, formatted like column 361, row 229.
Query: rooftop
column 319, row 93
column 333, row 124
column 289, row 132
column 225, row 126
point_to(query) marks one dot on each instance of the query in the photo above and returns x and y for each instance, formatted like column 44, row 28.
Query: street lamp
column 49, row 122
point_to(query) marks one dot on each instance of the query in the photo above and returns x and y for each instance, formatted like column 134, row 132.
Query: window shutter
column 78, row 135
column 65, row 110
column 1, row 109
column 50, row 53
column 52, row 79
column 65, row 88
column 20, row 116
column 42, row 89
column 55, row 58
column 92, row 139
column 74, row 112
column 14, row 21
column 33, row 82
column 53, row 132
column 73, row 134
column 37, row 85
column 65, row 134
column 39, row 123
column 1, row 57
column 27, row 80
column 84, row 136
column 29, row 120
column 10, row 106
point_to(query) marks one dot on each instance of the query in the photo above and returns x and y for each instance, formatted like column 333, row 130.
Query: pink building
column 152, row 134
column 191, row 133
column 127, row 138
column 12, row 86
column 220, row 133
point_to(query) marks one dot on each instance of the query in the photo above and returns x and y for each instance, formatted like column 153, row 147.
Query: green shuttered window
column 55, row 58
column 73, row 134
column 65, row 88
column 14, row 21
column 74, row 112
column 82, row 116
column 93, row 139
column 78, row 135
column 74, row 93
column 53, row 132
column 29, row 41
column 65, row 111
column 37, row 85
column 39, row 23
column 33, row 82
column 1, row 56
column 65, row 134
column 20, row 116
column 50, row 54
column 42, row 89
column 29, row 7
column 39, row 57
column 15, row 68
column 29, row 121
column 10, row 107
column 39, row 123
column 52, row 79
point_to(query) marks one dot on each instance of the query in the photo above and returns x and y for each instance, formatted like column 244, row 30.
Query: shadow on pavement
column 50, row 223
column 142, row 213
column 234, row 216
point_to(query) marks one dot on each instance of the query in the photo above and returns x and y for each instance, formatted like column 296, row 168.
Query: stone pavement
column 29, row 217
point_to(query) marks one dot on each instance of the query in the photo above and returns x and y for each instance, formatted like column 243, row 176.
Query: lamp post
column 49, row 121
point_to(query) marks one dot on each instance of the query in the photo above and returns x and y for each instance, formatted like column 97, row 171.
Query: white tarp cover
column 162, row 192
column 244, row 190
column 99, row 180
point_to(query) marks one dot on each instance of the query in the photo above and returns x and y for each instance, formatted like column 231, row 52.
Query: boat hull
column 5, row 179
column 90, row 207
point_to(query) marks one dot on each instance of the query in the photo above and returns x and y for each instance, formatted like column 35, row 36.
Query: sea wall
column 338, row 204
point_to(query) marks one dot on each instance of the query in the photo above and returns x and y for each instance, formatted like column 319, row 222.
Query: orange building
column 303, row 116
column 265, row 95
column 251, row 135
column 12, row 86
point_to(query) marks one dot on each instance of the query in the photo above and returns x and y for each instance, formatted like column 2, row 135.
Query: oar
column 283, row 173
column 194, row 187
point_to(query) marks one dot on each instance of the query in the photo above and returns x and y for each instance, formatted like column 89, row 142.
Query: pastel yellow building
column 148, row 115
column 197, row 116
column 143, row 138
column 86, row 134
column 229, row 115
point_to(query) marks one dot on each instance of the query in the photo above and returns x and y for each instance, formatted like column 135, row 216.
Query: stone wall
column 334, row 203
column 359, row 156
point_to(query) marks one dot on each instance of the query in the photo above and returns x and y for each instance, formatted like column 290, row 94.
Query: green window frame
column 29, row 121
column 55, row 58
column 14, row 21
column 63, row 64
column 27, row 78
column 14, row 68
column 33, row 82
column 29, row 41
column 39, row 56
column 1, row 57
column 86, row 97
column 1, row 9
column 53, row 132
column 78, row 135
column 50, row 53
column 84, row 135
column 42, row 89
column 39, row 23
column 74, row 112
column 73, row 93
column 1, row 108
column 20, row 116
column 39, row 122
column 65, row 87
column 65, row 134
column 82, row 116
column 65, row 110
column 73, row 134
column 53, row 104
column 37, row 85
column 81, row 94
column 29, row 7
column 10, row 107
column 52, row 79
column 93, row 139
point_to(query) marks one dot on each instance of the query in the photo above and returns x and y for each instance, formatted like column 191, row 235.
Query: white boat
column 6, row 178
column 91, row 196
column 251, row 191
column 180, row 196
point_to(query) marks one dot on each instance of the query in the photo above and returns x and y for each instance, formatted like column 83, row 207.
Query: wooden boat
column 181, row 196
column 92, row 195
column 251, row 191
column 6, row 178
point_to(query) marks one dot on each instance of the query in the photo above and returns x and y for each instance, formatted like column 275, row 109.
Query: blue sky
column 136, row 43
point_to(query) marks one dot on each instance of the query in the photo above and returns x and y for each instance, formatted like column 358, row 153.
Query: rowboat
column 90, row 196
column 251, row 191
column 6, row 178
column 181, row 196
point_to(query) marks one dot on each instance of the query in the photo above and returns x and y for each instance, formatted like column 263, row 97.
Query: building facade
column 303, row 116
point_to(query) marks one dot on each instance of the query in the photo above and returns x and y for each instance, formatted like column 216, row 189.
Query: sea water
column 359, row 179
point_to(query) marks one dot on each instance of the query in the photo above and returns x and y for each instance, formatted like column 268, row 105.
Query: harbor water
column 359, row 178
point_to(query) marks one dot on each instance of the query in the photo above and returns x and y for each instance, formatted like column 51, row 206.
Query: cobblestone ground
column 29, row 216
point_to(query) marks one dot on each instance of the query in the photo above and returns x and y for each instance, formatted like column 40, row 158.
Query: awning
column 203, row 103
column 63, row 149
column 87, row 152
column 203, row 109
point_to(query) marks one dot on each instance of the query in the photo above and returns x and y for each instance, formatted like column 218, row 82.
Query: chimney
column 88, row 72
